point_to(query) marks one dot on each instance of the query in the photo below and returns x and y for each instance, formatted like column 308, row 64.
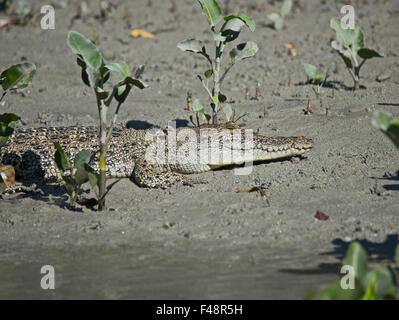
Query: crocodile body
column 152, row 158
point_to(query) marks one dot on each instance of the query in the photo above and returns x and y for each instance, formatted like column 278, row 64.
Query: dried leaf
column 141, row 33
column 253, row 189
column 321, row 216
column 7, row 173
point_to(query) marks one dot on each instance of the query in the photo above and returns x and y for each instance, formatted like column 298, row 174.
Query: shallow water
column 143, row 272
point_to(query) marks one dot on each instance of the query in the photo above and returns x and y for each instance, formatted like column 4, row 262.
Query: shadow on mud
column 377, row 252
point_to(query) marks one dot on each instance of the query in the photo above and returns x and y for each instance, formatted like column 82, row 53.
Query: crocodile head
column 268, row 148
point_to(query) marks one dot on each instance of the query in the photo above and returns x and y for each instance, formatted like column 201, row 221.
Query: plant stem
column 3, row 95
column 216, row 80
column 102, row 108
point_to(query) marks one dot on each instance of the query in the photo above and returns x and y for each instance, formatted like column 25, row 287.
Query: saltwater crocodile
column 131, row 152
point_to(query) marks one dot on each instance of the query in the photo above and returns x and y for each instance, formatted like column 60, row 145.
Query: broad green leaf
column 387, row 124
column 61, row 159
column 94, row 178
column 8, row 118
column 79, row 44
column 7, row 125
column 351, row 39
column 231, row 29
column 119, row 66
column 344, row 53
column 250, row 23
column 132, row 82
column 356, row 257
column 243, row 51
column 370, row 289
column 81, row 175
column 310, row 69
column 222, row 98
column 192, row 45
column 211, row 10
column 81, row 158
column 397, row 256
column 382, row 282
column 197, row 106
column 286, row 8
column 18, row 76
column 369, row 53
column 228, row 111
column 278, row 24
column 336, row 292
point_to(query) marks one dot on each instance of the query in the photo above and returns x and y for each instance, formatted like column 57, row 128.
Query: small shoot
column 74, row 176
column 317, row 78
column 228, row 32
column 350, row 47
column 95, row 74
column 388, row 125
column 278, row 19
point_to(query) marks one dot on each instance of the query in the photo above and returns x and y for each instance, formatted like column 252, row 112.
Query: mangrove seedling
column 278, row 19
column 74, row 176
column 227, row 33
column 317, row 78
column 16, row 77
column 359, row 281
column 388, row 125
column 95, row 74
column 349, row 45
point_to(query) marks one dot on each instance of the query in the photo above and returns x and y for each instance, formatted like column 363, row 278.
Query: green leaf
column 79, row 44
column 228, row 111
column 310, row 69
column 18, row 76
column 345, row 54
column 94, row 178
column 192, row 45
column 69, row 188
column 369, row 53
column 397, row 256
column 335, row 292
column 286, row 8
column 222, row 98
column 356, row 257
column 278, row 24
column 211, row 10
column 119, row 66
column 9, row 118
column 380, row 284
column 61, row 159
column 351, row 39
column 81, row 158
column 387, row 124
column 81, row 175
column 243, row 51
column 208, row 73
column 197, row 106
column 250, row 23
column 7, row 125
